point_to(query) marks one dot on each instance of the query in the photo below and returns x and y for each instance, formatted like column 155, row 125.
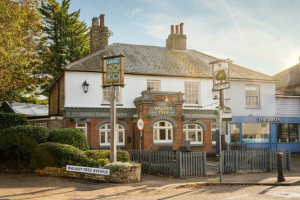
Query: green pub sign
column 113, row 71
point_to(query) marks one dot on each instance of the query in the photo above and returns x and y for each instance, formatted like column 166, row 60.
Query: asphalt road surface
column 33, row 187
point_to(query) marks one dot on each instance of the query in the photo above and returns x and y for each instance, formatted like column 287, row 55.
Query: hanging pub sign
column 113, row 70
column 220, row 72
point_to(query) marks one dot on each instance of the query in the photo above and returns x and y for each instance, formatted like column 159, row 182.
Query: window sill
column 192, row 106
column 108, row 145
column 249, row 107
column 108, row 104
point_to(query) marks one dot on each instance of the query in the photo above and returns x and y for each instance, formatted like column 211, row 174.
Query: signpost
column 221, row 81
column 113, row 76
column 140, row 126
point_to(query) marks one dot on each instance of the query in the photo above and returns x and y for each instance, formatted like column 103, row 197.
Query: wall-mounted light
column 85, row 86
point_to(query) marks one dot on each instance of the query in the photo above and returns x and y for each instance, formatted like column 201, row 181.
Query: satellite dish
column 110, row 33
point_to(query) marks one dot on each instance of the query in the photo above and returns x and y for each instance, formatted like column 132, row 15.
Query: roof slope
column 288, row 77
column 141, row 59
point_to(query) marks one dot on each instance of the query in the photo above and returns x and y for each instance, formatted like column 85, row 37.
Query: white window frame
column 187, row 96
column 257, row 91
column 106, row 129
column 83, row 128
column 44, row 124
column 156, row 129
column 186, row 130
column 118, row 95
column 213, row 129
column 156, row 84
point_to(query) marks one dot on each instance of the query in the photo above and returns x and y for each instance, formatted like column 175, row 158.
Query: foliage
column 122, row 156
column 57, row 155
column 221, row 76
column 67, row 37
column 19, row 142
column 11, row 119
column 69, row 136
column 118, row 166
column 102, row 161
column 20, row 25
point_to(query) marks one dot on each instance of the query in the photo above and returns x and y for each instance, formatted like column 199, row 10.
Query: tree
column 67, row 37
column 20, row 30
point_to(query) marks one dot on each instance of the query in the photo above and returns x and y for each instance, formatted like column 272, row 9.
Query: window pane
column 192, row 126
column 191, row 93
column 255, row 133
column 162, row 134
column 81, row 125
column 199, row 136
column 153, row 85
column 121, row 137
column 108, row 136
column 192, row 136
column 293, row 132
column 102, row 137
column 169, row 135
column 161, row 123
column 235, row 132
column 252, row 95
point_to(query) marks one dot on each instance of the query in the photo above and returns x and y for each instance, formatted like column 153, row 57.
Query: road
column 23, row 187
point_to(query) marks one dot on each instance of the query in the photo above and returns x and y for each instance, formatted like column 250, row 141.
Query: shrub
column 69, row 136
column 52, row 154
column 122, row 156
column 118, row 166
column 19, row 142
column 102, row 161
column 11, row 119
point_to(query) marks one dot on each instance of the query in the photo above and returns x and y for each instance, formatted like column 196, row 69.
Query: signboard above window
column 220, row 71
column 113, row 71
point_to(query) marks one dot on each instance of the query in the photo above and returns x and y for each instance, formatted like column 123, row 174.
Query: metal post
column 280, row 177
column 113, row 138
column 221, row 108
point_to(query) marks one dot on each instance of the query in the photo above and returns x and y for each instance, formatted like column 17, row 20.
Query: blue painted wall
column 293, row 146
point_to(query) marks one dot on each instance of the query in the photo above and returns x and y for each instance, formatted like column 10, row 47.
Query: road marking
column 286, row 194
column 235, row 197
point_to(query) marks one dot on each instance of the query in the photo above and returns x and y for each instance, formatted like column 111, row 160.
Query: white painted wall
column 237, row 102
column 135, row 84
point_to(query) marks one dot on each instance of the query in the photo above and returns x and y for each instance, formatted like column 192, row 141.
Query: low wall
column 133, row 174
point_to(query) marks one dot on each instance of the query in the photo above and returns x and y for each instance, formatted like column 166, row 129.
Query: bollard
column 280, row 177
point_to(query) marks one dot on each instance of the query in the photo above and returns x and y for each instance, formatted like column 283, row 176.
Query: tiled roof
column 288, row 78
column 141, row 59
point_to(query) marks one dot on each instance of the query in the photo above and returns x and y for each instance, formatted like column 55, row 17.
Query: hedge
column 122, row 156
column 69, row 136
column 11, row 119
column 18, row 142
column 52, row 154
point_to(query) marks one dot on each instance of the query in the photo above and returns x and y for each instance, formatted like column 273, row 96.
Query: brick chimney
column 177, row 40
column 98, row 34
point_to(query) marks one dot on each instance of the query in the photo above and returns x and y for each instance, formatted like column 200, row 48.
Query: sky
column 262, row 35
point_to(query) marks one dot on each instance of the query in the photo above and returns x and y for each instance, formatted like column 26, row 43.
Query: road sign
column 140, row 124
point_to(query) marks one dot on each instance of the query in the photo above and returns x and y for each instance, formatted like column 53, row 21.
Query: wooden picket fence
column 254, row 160
column 245, row 147
column 170, row 163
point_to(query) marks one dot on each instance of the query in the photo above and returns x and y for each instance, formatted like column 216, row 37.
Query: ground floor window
column 288, row 132
column 235, row 132
column 82, row 127
column 162, row 132
column 193, row 133
column 104, row 135
column 255, row 132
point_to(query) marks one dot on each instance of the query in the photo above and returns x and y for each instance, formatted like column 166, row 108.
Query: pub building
column 169, row 88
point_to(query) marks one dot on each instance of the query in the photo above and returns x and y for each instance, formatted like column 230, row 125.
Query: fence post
column 236, row 161
column 288, row 154
column 149, row 161
column 270, row 160
column 178, row 164
column 204, row 163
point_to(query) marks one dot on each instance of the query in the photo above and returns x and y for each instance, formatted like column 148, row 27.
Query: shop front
column 274, row 132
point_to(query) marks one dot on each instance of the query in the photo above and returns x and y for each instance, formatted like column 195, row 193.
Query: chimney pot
column 95, row 21
column 102, row 19
column 177, row 29
column 181, row 28
column 172, row 29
